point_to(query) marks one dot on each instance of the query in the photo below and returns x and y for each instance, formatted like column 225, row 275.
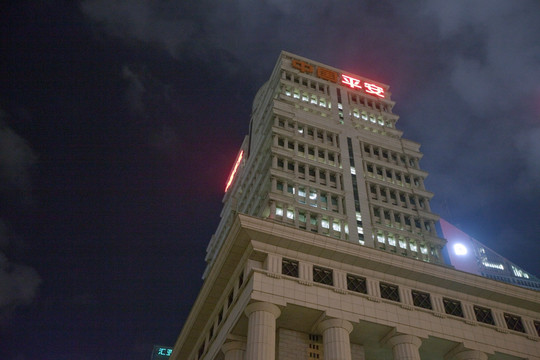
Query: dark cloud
column 18, row 282
column 16, row 160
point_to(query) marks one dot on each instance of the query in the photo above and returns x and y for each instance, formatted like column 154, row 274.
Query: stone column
column 234, row 350
column 337, row 345
column 405, row 347
column 261, row 340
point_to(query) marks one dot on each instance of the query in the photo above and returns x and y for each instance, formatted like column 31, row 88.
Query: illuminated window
column 356, row 284
column 389, row 291
column 290, row 214
column 336, row 226
column 289, row 267
column 391, row 241
column 302, row 192
column 290, row 189
column 380, row 238
column 313, row 194
column 323, row 276
column 513, row 322
column 296, row 94
column 279, row 211
column 325, row 224
column 452, row 307
column 423, row 249
column 483, row 315
column 413, row 247
column 353, row 170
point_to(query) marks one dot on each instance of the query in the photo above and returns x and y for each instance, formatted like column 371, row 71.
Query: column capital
column 335, row 323
column 470, row 355
column 461, row 352
column 263, row 306
column 233, row 345
column 399, row 339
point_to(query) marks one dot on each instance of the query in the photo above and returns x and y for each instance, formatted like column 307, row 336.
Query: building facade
column 327, row 247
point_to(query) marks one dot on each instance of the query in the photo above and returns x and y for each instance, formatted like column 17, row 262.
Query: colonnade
column 261, row 339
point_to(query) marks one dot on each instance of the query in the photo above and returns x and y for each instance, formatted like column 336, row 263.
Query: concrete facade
column 327, row 246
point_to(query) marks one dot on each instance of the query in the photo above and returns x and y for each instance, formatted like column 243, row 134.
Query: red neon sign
column 330, row 75
column 350, row 82
column 234, row 170
column 374, row 89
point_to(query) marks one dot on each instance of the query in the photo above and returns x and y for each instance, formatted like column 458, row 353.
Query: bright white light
column 460, row 249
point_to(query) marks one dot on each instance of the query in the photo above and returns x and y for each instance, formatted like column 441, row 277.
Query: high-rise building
column 468, row 254
column 327, row 247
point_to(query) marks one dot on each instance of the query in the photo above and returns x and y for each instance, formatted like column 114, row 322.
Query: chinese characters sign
column 330, row 75
column 161, row 352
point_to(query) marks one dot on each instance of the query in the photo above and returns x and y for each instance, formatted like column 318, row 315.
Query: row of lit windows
column 311, row 221
column 374, row 119
column 231, row 298
column 390, row 156
column 393, row 176
column 310, row 152
column 405, row 246
column 307, row 132
column 398, row 198
column 310, row 173
column 310, row 196
column 355, row 98
column 305, row 82
column 419, row 298
column 307, row 97
column 398, row 220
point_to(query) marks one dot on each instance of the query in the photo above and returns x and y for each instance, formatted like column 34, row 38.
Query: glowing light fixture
column 460, row 249
column 234, row 170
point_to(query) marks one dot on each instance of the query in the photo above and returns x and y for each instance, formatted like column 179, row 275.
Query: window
column 421, row 299
column 356, row 283
column 390, row 292
column 323, row 276
column 513, row 322
column 241, row 279
column 452, row 307
column 231, row 298
column 483, row 315
column 220, row 316
column 201, row 351
column 289, row 267
column 537, row 327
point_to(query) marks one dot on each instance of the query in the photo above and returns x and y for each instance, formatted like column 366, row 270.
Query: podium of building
column 327, row 247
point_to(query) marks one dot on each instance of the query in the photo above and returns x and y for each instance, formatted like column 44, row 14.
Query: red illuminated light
column 234, row 170
column 350, row 82
column 374, row 89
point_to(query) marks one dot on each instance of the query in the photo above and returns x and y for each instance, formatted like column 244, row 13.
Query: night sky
column 120, row 121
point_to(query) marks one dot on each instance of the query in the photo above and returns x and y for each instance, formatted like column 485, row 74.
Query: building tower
column 327, row 246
